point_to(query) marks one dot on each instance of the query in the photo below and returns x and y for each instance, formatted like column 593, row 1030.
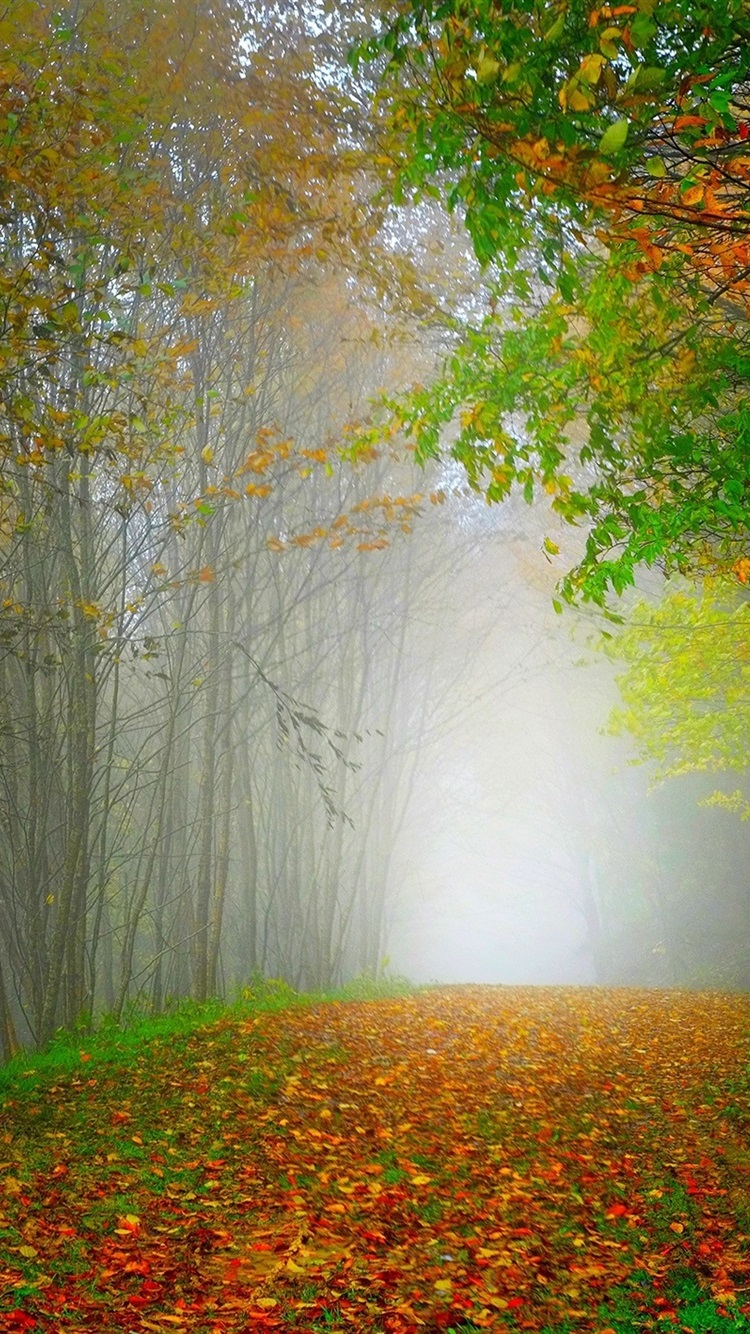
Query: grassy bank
column 108, row 1041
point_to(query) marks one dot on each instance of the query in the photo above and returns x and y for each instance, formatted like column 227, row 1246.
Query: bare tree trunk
column 9, row 1043
column 206, row 808
column 66, row 950
column 221, row 871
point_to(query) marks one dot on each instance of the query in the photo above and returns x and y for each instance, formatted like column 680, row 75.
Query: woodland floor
column 470, row 1158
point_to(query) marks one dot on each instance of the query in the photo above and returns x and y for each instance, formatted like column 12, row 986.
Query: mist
column 490, row 866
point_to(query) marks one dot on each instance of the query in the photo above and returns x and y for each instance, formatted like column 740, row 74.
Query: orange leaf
column 683, row 122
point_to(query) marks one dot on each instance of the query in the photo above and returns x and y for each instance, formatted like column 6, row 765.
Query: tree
column 120, row 227
column 197, row 287
column 686, row 684
column 685, row 703
column 600, row 159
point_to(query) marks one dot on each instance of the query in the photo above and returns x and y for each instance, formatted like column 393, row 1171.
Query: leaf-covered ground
column 470, row 1158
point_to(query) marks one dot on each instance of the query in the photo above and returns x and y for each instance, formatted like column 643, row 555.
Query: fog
column 485, row 883
column 536, row 849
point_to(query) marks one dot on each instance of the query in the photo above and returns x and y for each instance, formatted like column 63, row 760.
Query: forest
column 301, row 305
column 374, row 666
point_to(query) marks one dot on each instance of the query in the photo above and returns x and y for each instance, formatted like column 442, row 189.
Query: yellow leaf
column 27, row 1251
column 591, row 68
column 579, row 101
column 195, row 305
column 487, row 69
column 265, row 1303
column 443, row 1285
column 207, row 454
column 421, row 1181
column 693, row 195
column 258, row 461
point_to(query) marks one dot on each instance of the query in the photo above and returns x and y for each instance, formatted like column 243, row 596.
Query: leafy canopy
column 600, row 159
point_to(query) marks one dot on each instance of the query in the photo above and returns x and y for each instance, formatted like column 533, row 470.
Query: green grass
column 78, row 1050
column 686, row 1306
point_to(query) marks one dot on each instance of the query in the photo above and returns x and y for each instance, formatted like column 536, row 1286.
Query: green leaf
column 487, row 69
column 649, row 78
column 642, row 29
column 614, row 136
column 552, row 34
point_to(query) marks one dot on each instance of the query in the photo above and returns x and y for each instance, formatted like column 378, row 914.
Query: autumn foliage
column 194, row 294
column 599, row 157
column 468, row 1158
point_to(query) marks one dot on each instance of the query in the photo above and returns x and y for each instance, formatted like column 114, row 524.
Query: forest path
column 462, row 1158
